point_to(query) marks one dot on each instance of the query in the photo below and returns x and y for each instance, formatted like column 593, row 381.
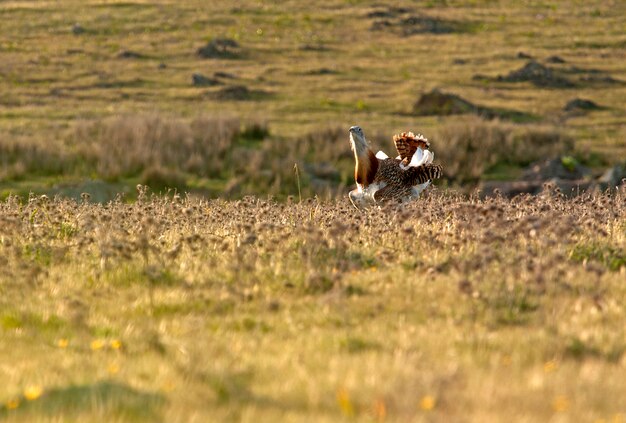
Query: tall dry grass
column 124, row 146
column 468, row 148
column 20, row 158
column 239, row 158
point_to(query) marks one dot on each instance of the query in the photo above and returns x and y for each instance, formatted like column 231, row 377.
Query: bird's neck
column 366, row 164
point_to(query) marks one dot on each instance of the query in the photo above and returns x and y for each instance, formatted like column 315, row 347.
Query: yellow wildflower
column 13, row 404
column 343, row 399
column 33, row 392
column 116, row 344
column 97, row 344
column 63, row 343
column 428, row 402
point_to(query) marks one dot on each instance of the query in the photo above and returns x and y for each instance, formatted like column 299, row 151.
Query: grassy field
column 194, row 308
column 300, row 69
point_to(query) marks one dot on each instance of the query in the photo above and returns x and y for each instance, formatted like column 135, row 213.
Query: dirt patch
column 439, row 103
column 557, row 76
column 537, row 74
column 581, row 105
column 199, row 80
column 224, row 75
column 600, row 80
column 313, row 47
column 220, row 48
column 555, row 59
column 235, row 92
column 398, row 20
column 129, row 54
column 321, row 71
column 390, row 12
column 239, row 93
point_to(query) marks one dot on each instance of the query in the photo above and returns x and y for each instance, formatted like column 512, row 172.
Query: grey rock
column 613, row 177
column 220, row 48
column 560, row 168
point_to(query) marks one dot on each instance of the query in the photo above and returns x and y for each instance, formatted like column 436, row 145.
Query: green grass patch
column 611, row 257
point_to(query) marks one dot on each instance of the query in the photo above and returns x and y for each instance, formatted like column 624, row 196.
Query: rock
column 579, row 104
column 509, row 189
column 162, row 66
column 200, row 80
column 221, row 48
column 459, row 62
column 537, row 74
column 439, row 103
column 522, row 55
column 572, row 187
column 613, row 177
column 560, row 168
column 555, row 59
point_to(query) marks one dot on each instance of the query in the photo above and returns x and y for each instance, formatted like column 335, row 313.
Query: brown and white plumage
column 407, row 144
column 380, row 178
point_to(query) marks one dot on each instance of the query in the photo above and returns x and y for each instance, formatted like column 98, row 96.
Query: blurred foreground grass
column 448, row 309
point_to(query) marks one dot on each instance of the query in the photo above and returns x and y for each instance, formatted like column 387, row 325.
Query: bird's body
column 380, row 178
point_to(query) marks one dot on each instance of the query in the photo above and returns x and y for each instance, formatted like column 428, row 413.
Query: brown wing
column 422, row 174
column 407, row 143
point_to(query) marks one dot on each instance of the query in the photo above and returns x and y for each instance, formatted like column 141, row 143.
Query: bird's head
column 357, row 139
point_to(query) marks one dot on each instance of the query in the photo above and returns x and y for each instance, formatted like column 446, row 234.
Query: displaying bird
column 380, row 178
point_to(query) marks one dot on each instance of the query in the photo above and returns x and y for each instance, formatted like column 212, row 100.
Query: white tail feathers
column 381, row 155
column 421, row 157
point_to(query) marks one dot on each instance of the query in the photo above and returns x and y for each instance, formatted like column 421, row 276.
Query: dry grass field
column 299, row 70
column 450, row 309
column 242, row 285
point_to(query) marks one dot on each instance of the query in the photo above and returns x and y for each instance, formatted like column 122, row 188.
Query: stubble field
column 449, row 309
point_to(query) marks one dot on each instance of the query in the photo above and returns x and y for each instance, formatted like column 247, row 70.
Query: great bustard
column 380, row 178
